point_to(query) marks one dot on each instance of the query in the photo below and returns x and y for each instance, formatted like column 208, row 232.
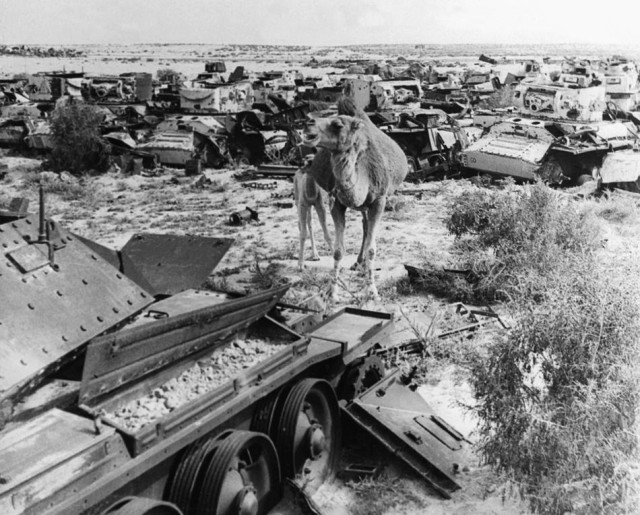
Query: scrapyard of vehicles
column 565, row 118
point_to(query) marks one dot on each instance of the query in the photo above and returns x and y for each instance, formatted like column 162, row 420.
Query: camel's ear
column 356, row 124
column 337, row 123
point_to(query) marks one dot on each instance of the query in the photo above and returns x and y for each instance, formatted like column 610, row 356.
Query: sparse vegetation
column 384, row 495
column 77, row 145
column 557, row 396
column 506, row 238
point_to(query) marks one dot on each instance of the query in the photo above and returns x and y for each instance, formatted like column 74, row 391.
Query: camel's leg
column 302, row 228
column 369, row 250
column 314, row 251
column 338, row 214
column 322, row 216
column 361, row 258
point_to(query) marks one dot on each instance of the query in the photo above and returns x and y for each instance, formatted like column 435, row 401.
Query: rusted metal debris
column 244, row 216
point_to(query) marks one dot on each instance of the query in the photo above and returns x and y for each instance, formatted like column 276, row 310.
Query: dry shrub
column 505, row 235
column 557, row 395
column 77, row 144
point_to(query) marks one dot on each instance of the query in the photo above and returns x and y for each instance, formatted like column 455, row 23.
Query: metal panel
column 115, row 360
column 407, row 426
column 358, row 330
column 48, row 312
column 172, row 263
column 621, row 167
column 52, row 457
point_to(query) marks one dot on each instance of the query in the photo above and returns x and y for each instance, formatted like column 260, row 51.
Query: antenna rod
column 42, row 232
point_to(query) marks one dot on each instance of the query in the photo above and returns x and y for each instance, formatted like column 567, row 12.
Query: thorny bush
column 557, row 395
column 77, row 144
column 509, row 234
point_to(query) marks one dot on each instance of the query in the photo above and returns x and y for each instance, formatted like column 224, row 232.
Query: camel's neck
column 345, row 168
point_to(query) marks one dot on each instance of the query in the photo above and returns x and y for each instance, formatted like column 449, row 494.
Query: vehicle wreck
column 153, row 392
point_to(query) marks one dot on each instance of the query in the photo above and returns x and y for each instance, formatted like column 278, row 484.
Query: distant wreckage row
column 563, row 121
column 124, row 389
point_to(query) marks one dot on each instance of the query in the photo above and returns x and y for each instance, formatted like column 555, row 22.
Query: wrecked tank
column 560, row 151
column 125, row 389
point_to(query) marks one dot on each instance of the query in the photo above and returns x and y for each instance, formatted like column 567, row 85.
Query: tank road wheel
column 307, row 433
column 141, row 506
column 184, row 483
column 242, row 476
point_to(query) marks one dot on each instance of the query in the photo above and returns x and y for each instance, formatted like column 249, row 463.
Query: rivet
column 58, row 293
column 143, row 294
column 44, row 349
column 82, row 328
column 23, row 362
column 100, row 319
column 30, row 306
column 129, row 302
column 118, row 276
column 24, row 279
column 16, row 242
column 14, row 225
column 116, row 310
column 28, row 221
column 64, row 338
column 84, row 281
column 5, row 245
column 94, row 258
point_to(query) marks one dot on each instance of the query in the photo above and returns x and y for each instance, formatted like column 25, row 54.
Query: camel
column 360, row 166
column 308, row 195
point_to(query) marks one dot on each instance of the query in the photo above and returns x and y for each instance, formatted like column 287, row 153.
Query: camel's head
column 338, row 133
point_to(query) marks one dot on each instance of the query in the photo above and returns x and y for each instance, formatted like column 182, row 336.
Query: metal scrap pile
column 565, row 117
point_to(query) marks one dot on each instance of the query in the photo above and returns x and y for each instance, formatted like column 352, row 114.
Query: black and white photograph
column 294, row 257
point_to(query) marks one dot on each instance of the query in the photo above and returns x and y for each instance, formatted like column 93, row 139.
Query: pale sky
column 319, row 22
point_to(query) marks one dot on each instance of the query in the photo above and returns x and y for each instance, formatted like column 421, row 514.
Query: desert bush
column 506, row 235
column 557, row 395
column 77, row 144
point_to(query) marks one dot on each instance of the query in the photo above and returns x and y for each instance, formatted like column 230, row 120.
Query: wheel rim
column 242, row 476
column 307, row 433
column 188, row 473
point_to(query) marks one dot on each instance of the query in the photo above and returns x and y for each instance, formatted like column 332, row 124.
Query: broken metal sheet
column 407, row 426
column 172, row 263
column 55, row 305
column 123, row 358
column 620, row 167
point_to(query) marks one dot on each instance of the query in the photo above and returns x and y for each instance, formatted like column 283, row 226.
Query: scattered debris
column 242, row 217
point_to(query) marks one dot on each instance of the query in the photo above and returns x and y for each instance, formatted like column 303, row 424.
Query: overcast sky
column 320, row 22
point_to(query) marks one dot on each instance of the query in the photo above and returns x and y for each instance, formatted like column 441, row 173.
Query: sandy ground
column 116, row 207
